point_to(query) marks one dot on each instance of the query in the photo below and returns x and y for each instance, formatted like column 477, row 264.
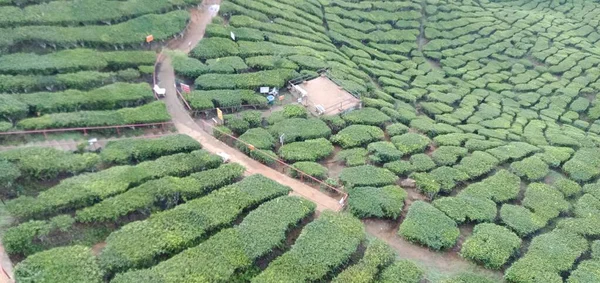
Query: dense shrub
column 29, row 237
column 587, row 271
column 396, row 129
column 154, row 112
column 427, row 225
column 421, row 162
column 532, row 168
column 513, row 151
column 161, row 194
column 308, row 150
column 323, row 246
column 367, row 175
column 137, row 150
column 477, row 164
column 209, row 99
column 448, row 155
column 383, row 202
column 357, row 135
column 469, row 278
column 273, row 78
column 400, row 167
column 555, row 156
column 258, row 137
column 448, row 177
column 366, row 116
column 548, row 255
column 140, row 244
column 313, row 169
column 410, row 143
column 215, row 47
column 491, row 245
column 587, row 206
column 236, row 124
column 335, row 122
column 500, row 187
column 584, row 165
column 383, row 152
column 262, row 231
column 426, row 184
column 298, row 129
column 520, row 219
column 567, row 187
column 68, row 264
column 83, row 190
column 353, row 157
column 546, row 202
column 42, row 163
column 378, row 256
column 464, row 208
column 403, row 271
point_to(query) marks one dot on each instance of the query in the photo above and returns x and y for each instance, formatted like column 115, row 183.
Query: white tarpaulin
column 214, row 10
column 160, row 91
column 264, row 89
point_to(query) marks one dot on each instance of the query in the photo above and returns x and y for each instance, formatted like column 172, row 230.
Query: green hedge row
column 73, row 60
column 273, row 78
column 383, row 202
column 43, row 163
column 204, row 100
column 84, row 12
column 384, row 152
column 584, row 165
column 491, row 245
column 136, row 150
column 30, row 237
column 308, row 150
column 68, row 264
column 130, row 34
column 299, row 129
column 357, row 135
column 84, row 190
column 161, row 194
column 378, row 256
column 402, row 270
column 353, row 157
column 367, row 176
column 477, row 164
column 258, row 137
column 548, row 255
column 465, row 208
column 153, row 112
column 501, row 187
column 110, row 97
column 410, row 143
column 428, row 226
column 313, row 169
column 366, row 116
column 262, row 231
column 143, row 243
column 325, row 245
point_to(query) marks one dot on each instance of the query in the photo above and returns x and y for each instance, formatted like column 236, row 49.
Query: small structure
column 160, row 91
column 322, row 96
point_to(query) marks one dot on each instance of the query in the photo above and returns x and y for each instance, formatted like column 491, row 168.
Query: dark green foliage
column 313, row 169
column 396, row 129
column 587, row 271
column 236, row 124
column 308, row 150
column 491, row 245
column 402, row 271
column 477, row 164
column 366, row 116
column 44, row 163
column 428, row 226
column 383, row 152
column 448, row 155
column 421, row 162
column 353, row 157
column 378, row 256
column 383, row 202
column 294, row 111
column 584, row 165
column 137, row 150
column 464, row 208
column 532, row 168
column 469, row 278
column 501, row 187
column 567, row 187
column 68, row 264
column 545, row 201
column 298, row 129
column 520, row 219
column 258, row 137
column 400, row 167
column 357, row 135
column 410, row 143
column 448, row 177
column 323, row 246
column 215, row 47
column 273, row 78
column 367, row 175
column 336, row 123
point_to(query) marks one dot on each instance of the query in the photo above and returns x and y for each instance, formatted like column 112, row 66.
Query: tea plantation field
column 489, row 107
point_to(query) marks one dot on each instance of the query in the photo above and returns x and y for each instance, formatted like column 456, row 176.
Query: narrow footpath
column 186, row 125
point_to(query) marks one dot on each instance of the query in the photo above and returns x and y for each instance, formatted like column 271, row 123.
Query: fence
column 86, row 129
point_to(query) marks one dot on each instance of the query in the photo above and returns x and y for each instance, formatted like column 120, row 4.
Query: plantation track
column 186, row 125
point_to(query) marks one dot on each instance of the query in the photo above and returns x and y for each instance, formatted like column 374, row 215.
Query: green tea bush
column 477, row 164
column 545, row 201
column 448, row 155
column 186, row 66
column 367, row 176
column 550, row 253
column 532, row 168
column 162, row 193
column 294, row 111
column 353, row 157
column 266, row 157
column 236, row 124
column 521, row 220
column 410, row 143
column 587, row 206
column 464, row 208
column 298, row 129
column 44, row 163
column 555, row 156
column 83, row 190
column 469, row 278
column 584, row 165
column 262, row 231
column 324, row 245
column 383, row 202
column 383, row 152
column 513, row 151
column 404, row 271
column 258, row 137
column 139, row 244
column 378, row 256
column 313, row 169
column 137, row 150
column 12, row 108
column 448, row 177
column 491, row 245
column 366, row 116
column 567, row 187
column 428, row 226
column 215, row 47
column 400, row 167
column 396, row 129
column 154, row 112
column 308, row 150
column 336, row 123
column 500, row 187
column 421, row 162
column 67, row 264
column 29, row 237
column 273, row 78
column 587, row 271
column 226, row 65
column 357, row 135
